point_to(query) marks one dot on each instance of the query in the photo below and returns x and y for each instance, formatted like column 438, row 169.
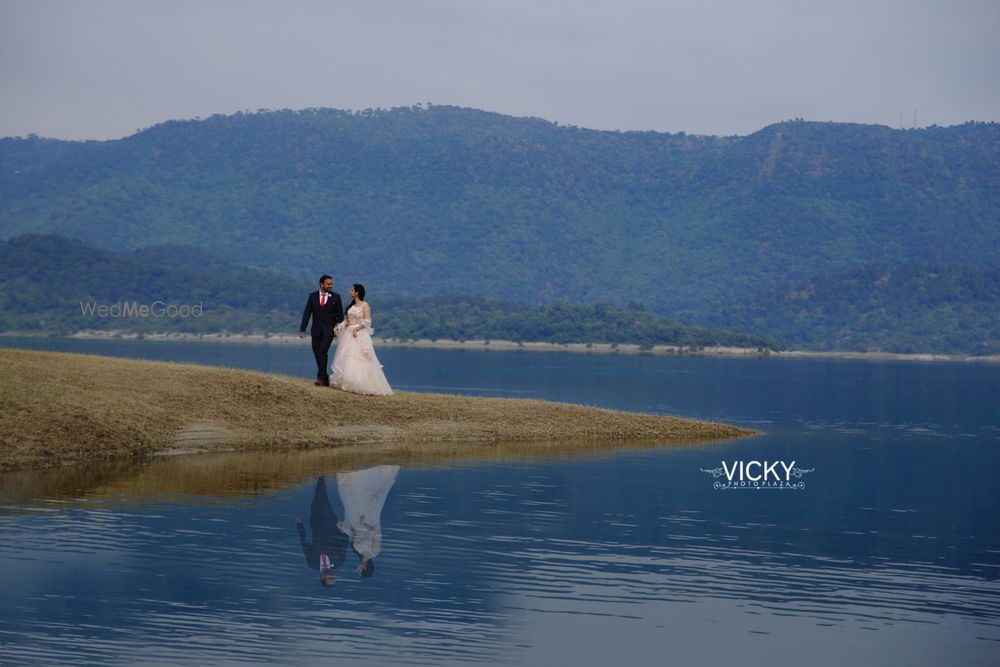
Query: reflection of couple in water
column 362, row 494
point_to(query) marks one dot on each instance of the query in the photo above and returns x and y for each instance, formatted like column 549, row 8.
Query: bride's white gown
column 363, row 493
column 355, row 366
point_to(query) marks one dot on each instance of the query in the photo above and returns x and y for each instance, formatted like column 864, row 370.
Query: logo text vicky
column 756, row 474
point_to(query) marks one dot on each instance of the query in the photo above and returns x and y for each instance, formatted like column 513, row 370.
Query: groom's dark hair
column 324, row 277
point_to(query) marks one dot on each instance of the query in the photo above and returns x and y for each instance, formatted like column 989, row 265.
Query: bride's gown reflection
column 328, row 549
column 363, row 494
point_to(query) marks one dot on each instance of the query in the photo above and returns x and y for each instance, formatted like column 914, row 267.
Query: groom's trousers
column 321, row 350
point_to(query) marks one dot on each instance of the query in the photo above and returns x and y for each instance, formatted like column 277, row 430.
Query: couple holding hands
column 355, row 366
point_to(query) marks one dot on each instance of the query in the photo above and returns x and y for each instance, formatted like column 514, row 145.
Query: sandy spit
column 58, row 409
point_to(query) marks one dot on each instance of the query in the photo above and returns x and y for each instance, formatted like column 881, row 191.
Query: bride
column 355, row 366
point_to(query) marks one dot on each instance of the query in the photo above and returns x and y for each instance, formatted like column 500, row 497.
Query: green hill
column 444, row 200
column 49, row 283
column 913, row 308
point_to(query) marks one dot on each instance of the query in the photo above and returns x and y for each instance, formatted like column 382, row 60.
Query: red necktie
column 322, row 299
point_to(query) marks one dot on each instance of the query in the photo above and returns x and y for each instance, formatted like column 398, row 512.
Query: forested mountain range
column 444, row 200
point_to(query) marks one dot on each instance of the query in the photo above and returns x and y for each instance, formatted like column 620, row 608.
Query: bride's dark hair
column 369, row 568
column 360, row 290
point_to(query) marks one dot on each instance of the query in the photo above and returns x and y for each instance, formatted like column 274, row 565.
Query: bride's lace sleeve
column 366, row 315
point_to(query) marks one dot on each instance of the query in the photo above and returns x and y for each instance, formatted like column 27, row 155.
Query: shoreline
column 506, row 345
column 62, row 409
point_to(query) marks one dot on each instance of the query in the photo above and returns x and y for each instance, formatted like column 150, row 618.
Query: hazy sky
column 96, row 69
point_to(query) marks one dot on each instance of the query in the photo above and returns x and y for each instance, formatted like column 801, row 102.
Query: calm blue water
column 890, row 555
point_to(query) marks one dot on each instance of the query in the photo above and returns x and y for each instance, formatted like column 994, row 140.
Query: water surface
column 888, row 556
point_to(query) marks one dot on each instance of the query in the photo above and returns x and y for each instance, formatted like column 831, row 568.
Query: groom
column 327, row 311
column 329, row 546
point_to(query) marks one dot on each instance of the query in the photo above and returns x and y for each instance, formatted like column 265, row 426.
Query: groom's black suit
column 324, row 318
column 327, row 537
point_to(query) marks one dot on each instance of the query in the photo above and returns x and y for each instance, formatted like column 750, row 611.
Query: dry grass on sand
column 63, row 408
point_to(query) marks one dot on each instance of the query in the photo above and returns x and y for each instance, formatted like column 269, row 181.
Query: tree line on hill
column 52, row 284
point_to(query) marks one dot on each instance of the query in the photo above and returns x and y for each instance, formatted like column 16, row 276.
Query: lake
column 883, row 550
